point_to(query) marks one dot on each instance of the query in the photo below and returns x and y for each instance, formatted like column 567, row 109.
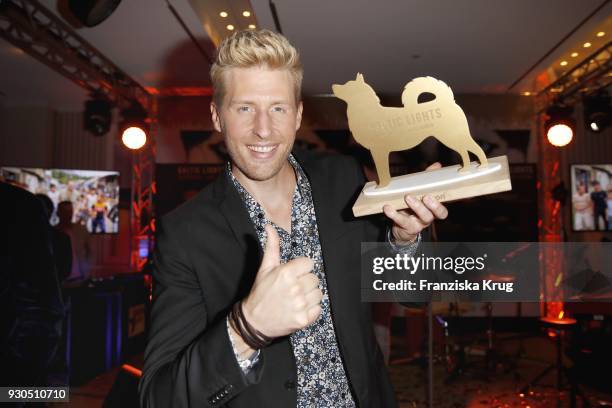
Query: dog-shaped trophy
column 384, row 129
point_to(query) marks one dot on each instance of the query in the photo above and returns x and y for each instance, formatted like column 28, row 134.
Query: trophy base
column 445, row 184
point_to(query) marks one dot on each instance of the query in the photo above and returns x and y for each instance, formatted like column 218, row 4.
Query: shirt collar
column 301, row 179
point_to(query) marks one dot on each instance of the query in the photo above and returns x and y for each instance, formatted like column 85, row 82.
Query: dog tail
column 414, row 88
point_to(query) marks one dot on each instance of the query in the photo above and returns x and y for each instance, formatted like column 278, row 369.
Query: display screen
column 86, row 197
column 591, row 197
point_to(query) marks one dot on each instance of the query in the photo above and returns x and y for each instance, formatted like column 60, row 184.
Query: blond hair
column 254, row 48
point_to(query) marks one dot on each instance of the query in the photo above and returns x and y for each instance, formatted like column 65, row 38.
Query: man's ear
column 216, row 119
column 298, row 118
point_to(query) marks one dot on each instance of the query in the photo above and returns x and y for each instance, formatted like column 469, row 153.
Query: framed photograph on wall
column 591, row 197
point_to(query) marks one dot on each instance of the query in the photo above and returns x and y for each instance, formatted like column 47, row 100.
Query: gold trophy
column 383, row 129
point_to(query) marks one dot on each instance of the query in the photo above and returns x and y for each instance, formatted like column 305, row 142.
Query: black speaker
column 98, row 116
column 92, row 12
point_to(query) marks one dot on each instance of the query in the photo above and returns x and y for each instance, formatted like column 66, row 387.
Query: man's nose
column 263, row 124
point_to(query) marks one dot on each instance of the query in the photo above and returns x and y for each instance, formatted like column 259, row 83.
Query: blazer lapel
column 327, row 225
column 234, row 211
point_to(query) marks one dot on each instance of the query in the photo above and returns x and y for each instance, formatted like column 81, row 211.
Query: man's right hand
column 284, row 297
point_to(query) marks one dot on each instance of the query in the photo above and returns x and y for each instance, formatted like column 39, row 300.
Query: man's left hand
column 408, row 223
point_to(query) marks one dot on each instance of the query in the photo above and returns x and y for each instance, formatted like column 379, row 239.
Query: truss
column 142, row 226
column 592, row 74
column 37, row 31
column 40, row 33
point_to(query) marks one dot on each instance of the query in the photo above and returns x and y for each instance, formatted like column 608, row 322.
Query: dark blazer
column 206, row 259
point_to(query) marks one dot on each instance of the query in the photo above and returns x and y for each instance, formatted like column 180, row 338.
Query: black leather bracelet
column 251, row 336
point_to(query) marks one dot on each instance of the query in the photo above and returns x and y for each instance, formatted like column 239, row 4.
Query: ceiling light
column 563, row 63
column 526, row 93
column 223, row 14
column 229, row 27
column 252, row 26
column 246, row 13
column 586, row 44
column 559, row 127
column 601, row 34
column 574, row 54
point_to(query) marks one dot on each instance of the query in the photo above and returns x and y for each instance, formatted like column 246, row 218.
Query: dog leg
column 381, row 160
column 465, row 159
column 477, row 150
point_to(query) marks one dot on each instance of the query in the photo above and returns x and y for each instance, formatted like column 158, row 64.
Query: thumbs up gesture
column 284, row 297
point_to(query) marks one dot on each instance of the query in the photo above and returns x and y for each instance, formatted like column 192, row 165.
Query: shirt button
column 289, row 384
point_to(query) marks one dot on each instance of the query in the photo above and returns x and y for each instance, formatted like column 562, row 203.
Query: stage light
column 560, row 135
column 133, row 127
column 597, row 111
column 92, row 12
column 134, row 138
column 559, row 127
column 97, row 116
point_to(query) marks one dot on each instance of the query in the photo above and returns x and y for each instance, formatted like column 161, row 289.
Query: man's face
column 258, row 118
column 597, row 187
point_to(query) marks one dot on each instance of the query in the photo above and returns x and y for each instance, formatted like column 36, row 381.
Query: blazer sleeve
column 376, row 229
column 188, row 362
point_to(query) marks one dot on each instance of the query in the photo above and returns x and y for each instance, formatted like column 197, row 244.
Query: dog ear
column 359, row 77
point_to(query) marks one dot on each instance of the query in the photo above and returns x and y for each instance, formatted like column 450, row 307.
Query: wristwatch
column 409, row 249
column 248, row 363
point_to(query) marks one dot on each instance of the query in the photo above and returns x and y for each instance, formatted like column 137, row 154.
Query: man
column 30, row 297
column 582, row 209
column 60, row 242
column 609, row 209
column 98, row 215
column 598, row 196
column 79, row 237
column 235, row 325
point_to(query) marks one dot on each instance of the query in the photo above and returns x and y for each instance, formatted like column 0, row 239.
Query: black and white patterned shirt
column 321, row 378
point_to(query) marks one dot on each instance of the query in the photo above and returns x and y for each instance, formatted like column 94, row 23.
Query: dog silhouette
column 383, row 129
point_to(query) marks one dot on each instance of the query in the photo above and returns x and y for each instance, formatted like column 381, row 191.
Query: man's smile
column 262, row 151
